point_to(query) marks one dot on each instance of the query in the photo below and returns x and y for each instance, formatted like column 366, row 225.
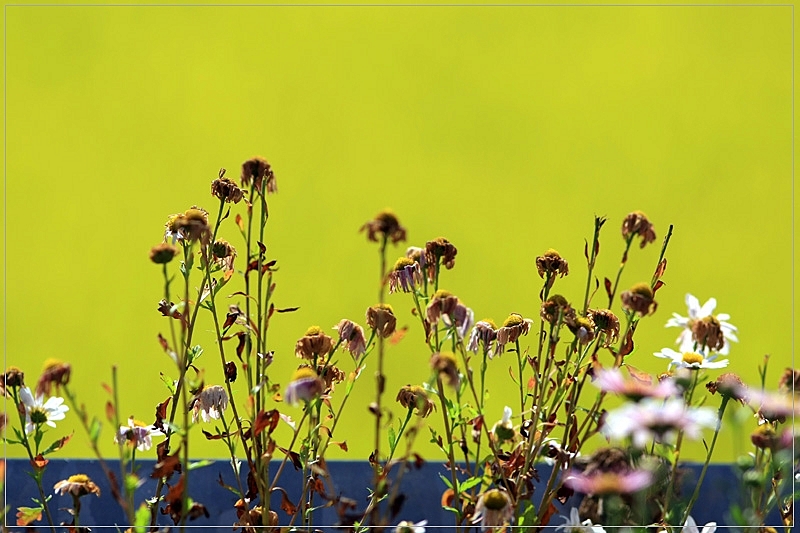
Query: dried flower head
column 209, row 403
column 696, row 312
column 381, row 319
column 418, row 255
column 77, row 485
column 329, row 374
column 730, row 386
column 304, row 386
column 314, row 344
column 636, row 223
column 607, row 324
column 639, row 299
column 387, row 226
column 581, row 326
column 55, row 373
column 446, row 366
column 483, row 334
column 494, row 509
column 163, row 253
column 13, row 377
column 513, row 328
column 552, row 264
column 707, row 333
column 414, row 396
column 352, row 336
column 790, row 381
column 137, row 434
column 226, row 190
column 554, row 307
column 223, row 253
column 773, row 407
column 258, row 171
column 191, row 226
column 439, row 248
column 405, row 276
column 442, row 303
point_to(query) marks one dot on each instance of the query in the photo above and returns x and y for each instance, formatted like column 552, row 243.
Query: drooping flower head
column 226, row 190
column 581, row 326
column 607, row 324
column 414, row 396
column 352, row 336
column 513, row 328
column 77, row 485
column 163, row 253
column 552, row 264
column 690, row 359
column 555, row 308
column 137, row 434
column 790, row 381
column 483, row 334
column 494, row 509
column 314, row 344
column 258, row 171
column 209, row 403
column 436, row 250
column 386, row 225
column 38, row 411
column 192, row 225
column 381, row 319
column 639, row 299
column 55, row 373
column 729, row 385
column 504, row 429
column 702, row 327
column 445, row 365
column 304, row 386
column 405, row 276
column 636, row 223
column 223, row 254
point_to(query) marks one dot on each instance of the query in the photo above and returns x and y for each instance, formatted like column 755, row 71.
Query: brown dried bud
column 386, row 224
column 381, row 318
column 639, row 299
column 226, row 190
column 163, row 253
column 313, row 344
column 636, row 223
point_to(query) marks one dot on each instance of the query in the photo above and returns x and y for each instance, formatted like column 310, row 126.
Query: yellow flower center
column 50, row 363
column 441, row 293
column 642, row 289
column 313, row 331
column 304, row 373
column 711, row 320
column 79, row 478
column 553, row 254
column 402, row 263
column 490, row 322
column 495, row 500
column 691, row 358
column 514, row 319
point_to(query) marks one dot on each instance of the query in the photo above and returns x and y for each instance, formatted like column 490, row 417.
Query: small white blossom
column 573, row 524
column 38, row 412
column 656, row 419
column 690, row 359
column 691, row 527
column 698, row 312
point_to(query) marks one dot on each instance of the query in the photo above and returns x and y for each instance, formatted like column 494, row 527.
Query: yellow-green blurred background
column 503, row 129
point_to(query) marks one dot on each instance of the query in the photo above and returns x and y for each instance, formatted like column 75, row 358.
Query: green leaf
column 451, row 509
column 132, row 482
column 168, row 382
column 28, row 515
column 392, row 438
column 446, row 481
column 194, row 353
column 141, row 519
column 200, row 464
column 94, row 430
column 527, row 517
column 469, row 483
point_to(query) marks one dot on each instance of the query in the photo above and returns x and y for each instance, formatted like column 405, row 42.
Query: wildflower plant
column 566, row 355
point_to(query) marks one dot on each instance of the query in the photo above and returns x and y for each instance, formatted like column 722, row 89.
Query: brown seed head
column 387, row 226
column 446, row 365
column 554, row 306
column 551, row 263
column 607, row 323
column 708, row 332
column 639, row 299
column 163, row 253
column 14, row 377
column 193, row 225
column 582, row 327
column 440, row 248
column 636, row 223
column 258, row 171
column 226, row 190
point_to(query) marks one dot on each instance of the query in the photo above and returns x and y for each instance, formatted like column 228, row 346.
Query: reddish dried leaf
column 163, row 342
column 448, row 496
column 342, row 445
column 266, row 420
column 252, row 486
column 294, row 457
column 398, row 335
column 657, row 286
column 661, row 268
column 28, row 515
column 167, row 467
column 107, row 388
column 548, row 514
column 57, row 445
column 110, row 411
column 531, row 383
column 230, row 371
column 242, row 343
column 39, row 462
column 627, row 347
column 211, row 436
column 326, row 430
column 230, row 319
column 161, row 414
column 607, row 283
column 261, row 247
column 239, row 222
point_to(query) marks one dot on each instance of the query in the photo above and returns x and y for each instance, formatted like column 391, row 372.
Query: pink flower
column 609, row 482
column 612, row 380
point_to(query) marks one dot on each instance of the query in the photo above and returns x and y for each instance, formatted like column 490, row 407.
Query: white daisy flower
column 38, row 412
column 691, row 527
column 137, row 434
column 407, row 526
column 656, row 419
column 573, row 524
column 690, row 359
column 698, row 312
